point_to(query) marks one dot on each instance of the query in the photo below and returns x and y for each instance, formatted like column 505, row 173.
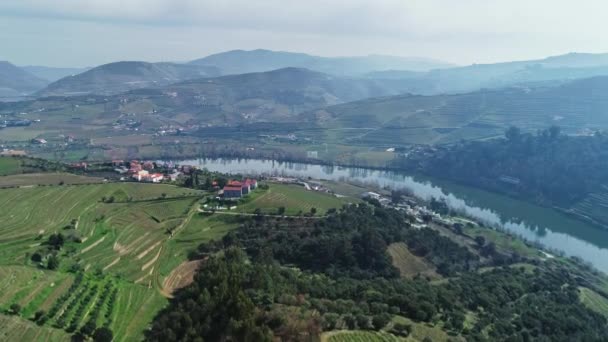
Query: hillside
column 280, row 93
column 14, row 80
column 52, row 74
column 496, row 75
column 119, row 77
column 576, row 106
column 240, row 61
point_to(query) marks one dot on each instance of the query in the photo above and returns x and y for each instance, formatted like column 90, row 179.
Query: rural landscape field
column 246, row 171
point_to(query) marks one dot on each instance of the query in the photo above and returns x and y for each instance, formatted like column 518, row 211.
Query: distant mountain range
column 241, row 61
column 382, row 75
column 478, row 76
column 52, row 74
column 267, row 96
column 119, row 77
column 15, row 81
column 576, row 106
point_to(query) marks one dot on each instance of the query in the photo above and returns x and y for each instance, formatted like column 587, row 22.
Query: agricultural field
column 9, row 165
column 296, row 199
column 410, row 265
column 27, row 179
column 360, row 336
column 15, row 329
column 594, row 301
column 120, row 242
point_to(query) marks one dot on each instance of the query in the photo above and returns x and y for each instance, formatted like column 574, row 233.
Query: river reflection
column 534, row 223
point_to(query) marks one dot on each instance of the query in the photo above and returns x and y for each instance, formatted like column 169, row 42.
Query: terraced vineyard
column 595, row 205
column 363, row 336
column 121, row 241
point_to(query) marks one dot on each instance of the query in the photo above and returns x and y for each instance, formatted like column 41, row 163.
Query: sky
column 78, row 33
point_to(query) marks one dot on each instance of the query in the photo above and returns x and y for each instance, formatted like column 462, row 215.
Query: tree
column 36, row 257
column 281, row 211
column 313, row 211
column 480, row 240
column 38, row 315
column 53, row 262
column 88, row 328
column 380, row 321
column 554, row 132
column 513, row 134
column 401, row 329
column 15, row 308
column 103, row 334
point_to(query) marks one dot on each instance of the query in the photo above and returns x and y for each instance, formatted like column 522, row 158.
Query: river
column 546, row 226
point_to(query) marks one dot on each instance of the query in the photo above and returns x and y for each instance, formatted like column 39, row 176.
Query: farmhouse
column 233, row 192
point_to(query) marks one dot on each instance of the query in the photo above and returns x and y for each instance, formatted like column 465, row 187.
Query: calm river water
column 543, row 225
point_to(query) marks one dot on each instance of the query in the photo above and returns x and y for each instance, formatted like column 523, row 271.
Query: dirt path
column 250, row 214
column 93, row 245
column 181, row 276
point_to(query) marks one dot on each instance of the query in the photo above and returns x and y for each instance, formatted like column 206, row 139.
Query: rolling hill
column 576, row 106
column 477, row 76
column 119, row 77
column 15, row 81
column 240, row 61
column 52, row 74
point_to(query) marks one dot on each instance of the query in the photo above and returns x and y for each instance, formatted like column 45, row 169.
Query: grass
column 294, row 198
column 27, row 179
column 594, row 301
column 9, row 165
column 502, row 241
column 408, row 264
column 125, row 246
column 420, row 331
column 15, row 329
column 360, row 336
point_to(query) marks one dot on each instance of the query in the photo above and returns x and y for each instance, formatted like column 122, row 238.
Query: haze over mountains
column 370, row 107
column 118, row 77
column 575, row 106
column 240, row 62
column 15, row 81
column 406, row 75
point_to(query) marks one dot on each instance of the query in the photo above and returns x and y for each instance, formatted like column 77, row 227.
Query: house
column 253, row 184
column 233, row 192
column 140, row 175
column 148, row 165
column 155, row 178
column 39, row 141
column 81, row 165
column 175, row 175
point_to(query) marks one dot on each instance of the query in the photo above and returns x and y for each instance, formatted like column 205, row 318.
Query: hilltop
column 575, row 106
column 241, row 61
column 15, row 81
column 496, row 75
column 114, row 78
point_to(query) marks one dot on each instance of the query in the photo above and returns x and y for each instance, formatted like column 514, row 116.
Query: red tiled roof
column 235, row 183
column 232, row 188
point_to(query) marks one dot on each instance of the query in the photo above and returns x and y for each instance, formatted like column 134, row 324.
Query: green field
column 410, row 265
column 27, row 179
column 594, row 301
column 295, row 198
column 128, row 246
column 9, row 165
column 361, row 336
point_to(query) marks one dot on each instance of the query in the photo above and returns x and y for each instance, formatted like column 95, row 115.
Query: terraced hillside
column 410, row 119
column 121, row 240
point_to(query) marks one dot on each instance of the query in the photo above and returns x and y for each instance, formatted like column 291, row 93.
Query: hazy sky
column 91, row 32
